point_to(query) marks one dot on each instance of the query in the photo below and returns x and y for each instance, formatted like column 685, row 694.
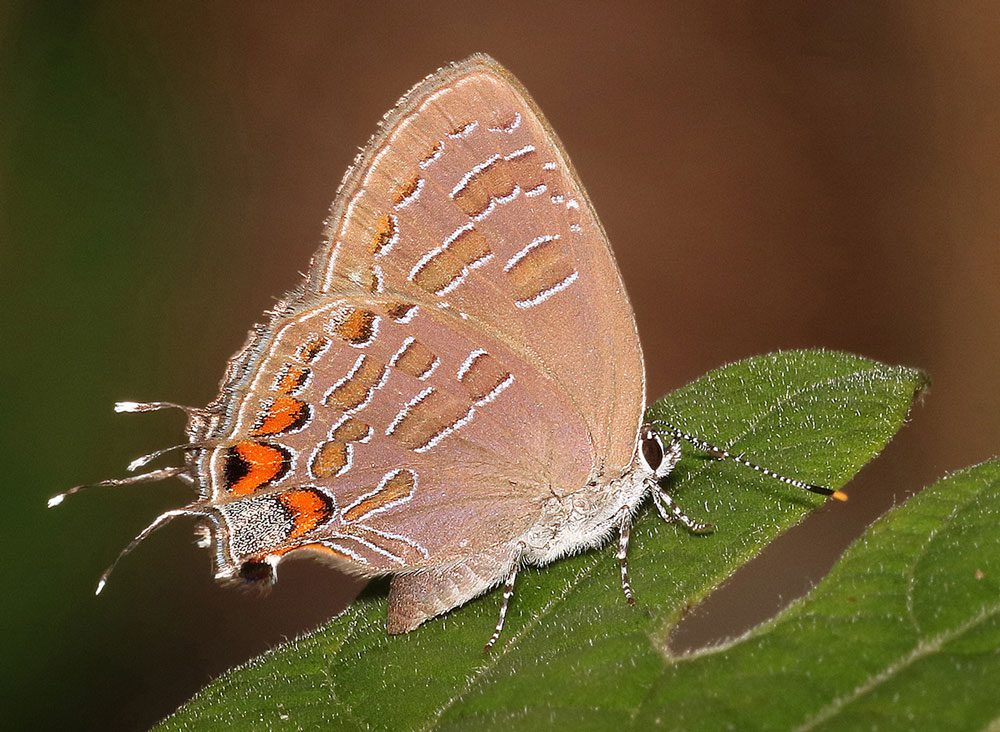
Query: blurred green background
column 771, row 175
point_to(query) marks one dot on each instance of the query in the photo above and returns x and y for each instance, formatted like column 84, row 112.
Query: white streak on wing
column 330, row 265
column 463, row 273
column 376, row 324
column 497, row 201
column 572, row 204
column 344, row 379
column 379, row 278
column 406, row 409
column 349, row 212
column 400, row 129
column 514, row 124
column 344, row 550
column 373, row 165
column 378, row 489
column 376, row 548
column 557, row 198
column 402, row 349
column 410, row 314
column 536, row 191
column 436, row 155
column 371, row 393
column 461, row 422
column 433, row 98
column 465, row 131
column 548, row 166
column 496, row 391
column 575, row 228
column 397, row 537
column 478, row 168
column 468, row 363
column 546, row 294
column 536, row 242
column 412, row 197
column 394, row 239
column 430, row 369
column 520, row 152
column 422, row 262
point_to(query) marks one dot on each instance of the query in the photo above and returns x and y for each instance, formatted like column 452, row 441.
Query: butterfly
column 455, row 391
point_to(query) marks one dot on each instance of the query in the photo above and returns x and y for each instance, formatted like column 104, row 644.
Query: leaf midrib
column 923, row 647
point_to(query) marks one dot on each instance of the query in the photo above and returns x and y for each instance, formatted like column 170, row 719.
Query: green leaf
column 574, row 654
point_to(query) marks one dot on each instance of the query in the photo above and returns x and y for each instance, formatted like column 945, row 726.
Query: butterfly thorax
column 583, row 519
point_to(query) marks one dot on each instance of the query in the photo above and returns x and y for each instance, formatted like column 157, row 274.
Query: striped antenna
column 723, row 454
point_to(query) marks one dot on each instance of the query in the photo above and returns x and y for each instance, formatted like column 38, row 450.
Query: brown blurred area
column 771, row 175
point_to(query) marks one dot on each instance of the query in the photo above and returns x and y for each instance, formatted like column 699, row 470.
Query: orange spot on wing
column 308, row 508
column 385, row 230
column 356, row 326
column 406, row 190
column 292, row 377
column 330, row 459
column 312, row 347
column 285, row 413
column 399, row 310
column 251, row 465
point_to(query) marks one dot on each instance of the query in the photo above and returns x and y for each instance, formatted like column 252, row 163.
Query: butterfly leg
column 670, row 511
column 624, row 529
column 508, row 592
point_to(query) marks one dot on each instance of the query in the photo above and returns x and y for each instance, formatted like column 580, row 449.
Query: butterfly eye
column 256, row 572
column 652, row 450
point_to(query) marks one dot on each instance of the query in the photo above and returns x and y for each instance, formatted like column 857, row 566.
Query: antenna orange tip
column 839, row 495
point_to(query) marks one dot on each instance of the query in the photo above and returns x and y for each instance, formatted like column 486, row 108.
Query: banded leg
column 508, row 592
column 624, row 529
column 670, row 511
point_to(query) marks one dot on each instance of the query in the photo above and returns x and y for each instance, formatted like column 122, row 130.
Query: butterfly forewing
column 463, row 349
column 490, row 222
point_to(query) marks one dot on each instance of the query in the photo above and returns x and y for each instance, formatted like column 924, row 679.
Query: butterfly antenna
column 160, row 520
column 723, row 454
column 151, row 476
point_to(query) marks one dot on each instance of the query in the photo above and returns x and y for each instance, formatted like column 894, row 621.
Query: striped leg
column 670, row 511
column 624, row 528
column 508, row 592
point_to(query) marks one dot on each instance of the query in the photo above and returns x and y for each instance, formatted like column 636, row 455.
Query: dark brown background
column 771, row 176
